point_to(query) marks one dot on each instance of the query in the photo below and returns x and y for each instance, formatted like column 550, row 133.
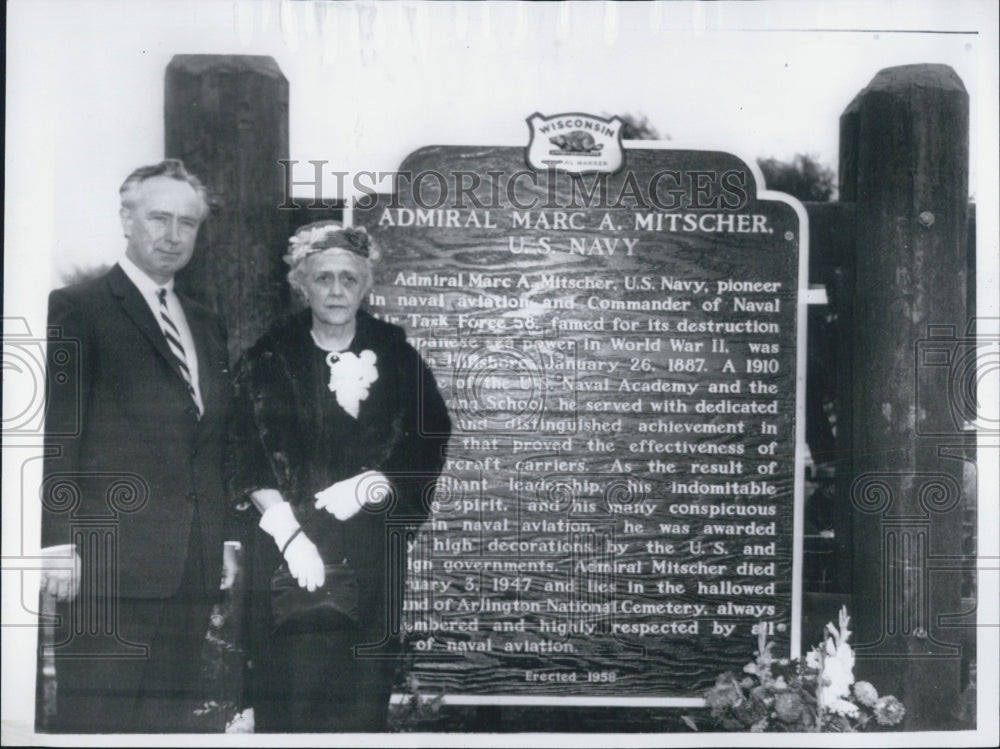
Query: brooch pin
column 350, row 377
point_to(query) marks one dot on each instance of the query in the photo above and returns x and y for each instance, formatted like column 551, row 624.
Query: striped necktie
column 173, row 336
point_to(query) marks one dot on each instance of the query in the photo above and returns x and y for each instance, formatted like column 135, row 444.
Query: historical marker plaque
column 619, row 353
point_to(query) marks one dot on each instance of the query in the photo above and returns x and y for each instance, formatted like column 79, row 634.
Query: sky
column 369, row 83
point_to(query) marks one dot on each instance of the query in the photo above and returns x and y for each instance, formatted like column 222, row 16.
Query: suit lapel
column 141, row 315
column 138, row 311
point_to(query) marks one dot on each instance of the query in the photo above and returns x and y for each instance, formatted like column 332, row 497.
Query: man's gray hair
column 172, row 168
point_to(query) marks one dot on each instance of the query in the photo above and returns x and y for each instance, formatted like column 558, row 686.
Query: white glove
column 60, row 572
column 345, row 499
column 230, row 564
column 304, row 561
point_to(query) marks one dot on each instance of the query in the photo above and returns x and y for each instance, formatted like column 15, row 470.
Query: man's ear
column 126, row 217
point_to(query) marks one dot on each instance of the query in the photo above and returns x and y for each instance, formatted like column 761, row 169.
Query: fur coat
column 289, row 433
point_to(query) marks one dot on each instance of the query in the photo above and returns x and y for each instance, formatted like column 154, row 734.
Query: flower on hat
column 328, row 235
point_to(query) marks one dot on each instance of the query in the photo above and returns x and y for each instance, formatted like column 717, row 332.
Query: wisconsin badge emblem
column 575, row 142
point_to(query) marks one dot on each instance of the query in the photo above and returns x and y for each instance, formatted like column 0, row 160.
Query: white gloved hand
column 304, row 561
column 345, row 499
column 60, row 572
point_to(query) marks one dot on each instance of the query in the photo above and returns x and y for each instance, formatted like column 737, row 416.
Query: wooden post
column 831, row 244
column 841, row 294
column 904, row 159
column 831, row 263
column 226, row 117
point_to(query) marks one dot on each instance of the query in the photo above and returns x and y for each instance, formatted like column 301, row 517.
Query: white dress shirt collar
column 144, row 283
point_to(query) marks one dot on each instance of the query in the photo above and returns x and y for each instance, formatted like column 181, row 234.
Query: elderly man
column 133, row 485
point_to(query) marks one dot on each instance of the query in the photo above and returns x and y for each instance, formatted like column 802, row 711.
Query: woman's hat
column 328, row 235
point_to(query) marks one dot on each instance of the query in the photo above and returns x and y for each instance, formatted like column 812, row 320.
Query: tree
column 803, row 177
column 638, row 127
column 79, row 274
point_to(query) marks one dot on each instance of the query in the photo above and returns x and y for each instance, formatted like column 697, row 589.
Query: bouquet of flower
column 820, row 694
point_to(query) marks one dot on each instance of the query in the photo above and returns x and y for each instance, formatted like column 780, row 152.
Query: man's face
column 161, row 227
column 334, row 286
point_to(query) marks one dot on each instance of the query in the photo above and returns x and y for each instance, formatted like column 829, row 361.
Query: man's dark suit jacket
column 130, row 446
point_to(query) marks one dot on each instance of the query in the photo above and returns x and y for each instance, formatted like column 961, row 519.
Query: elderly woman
column 338, row 439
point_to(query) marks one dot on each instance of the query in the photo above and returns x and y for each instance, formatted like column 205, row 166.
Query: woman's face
column 334, row 285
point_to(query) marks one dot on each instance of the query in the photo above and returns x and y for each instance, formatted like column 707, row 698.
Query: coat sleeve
column 68, row 378
column 418, row 458
column 248, row 467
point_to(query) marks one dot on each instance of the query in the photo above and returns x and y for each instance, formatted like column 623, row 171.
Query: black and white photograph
column 501, row 373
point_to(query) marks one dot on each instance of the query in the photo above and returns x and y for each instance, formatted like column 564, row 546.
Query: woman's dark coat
column 290, row 434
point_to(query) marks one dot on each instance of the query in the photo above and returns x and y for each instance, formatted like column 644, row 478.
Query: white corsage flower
column 350, row 378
